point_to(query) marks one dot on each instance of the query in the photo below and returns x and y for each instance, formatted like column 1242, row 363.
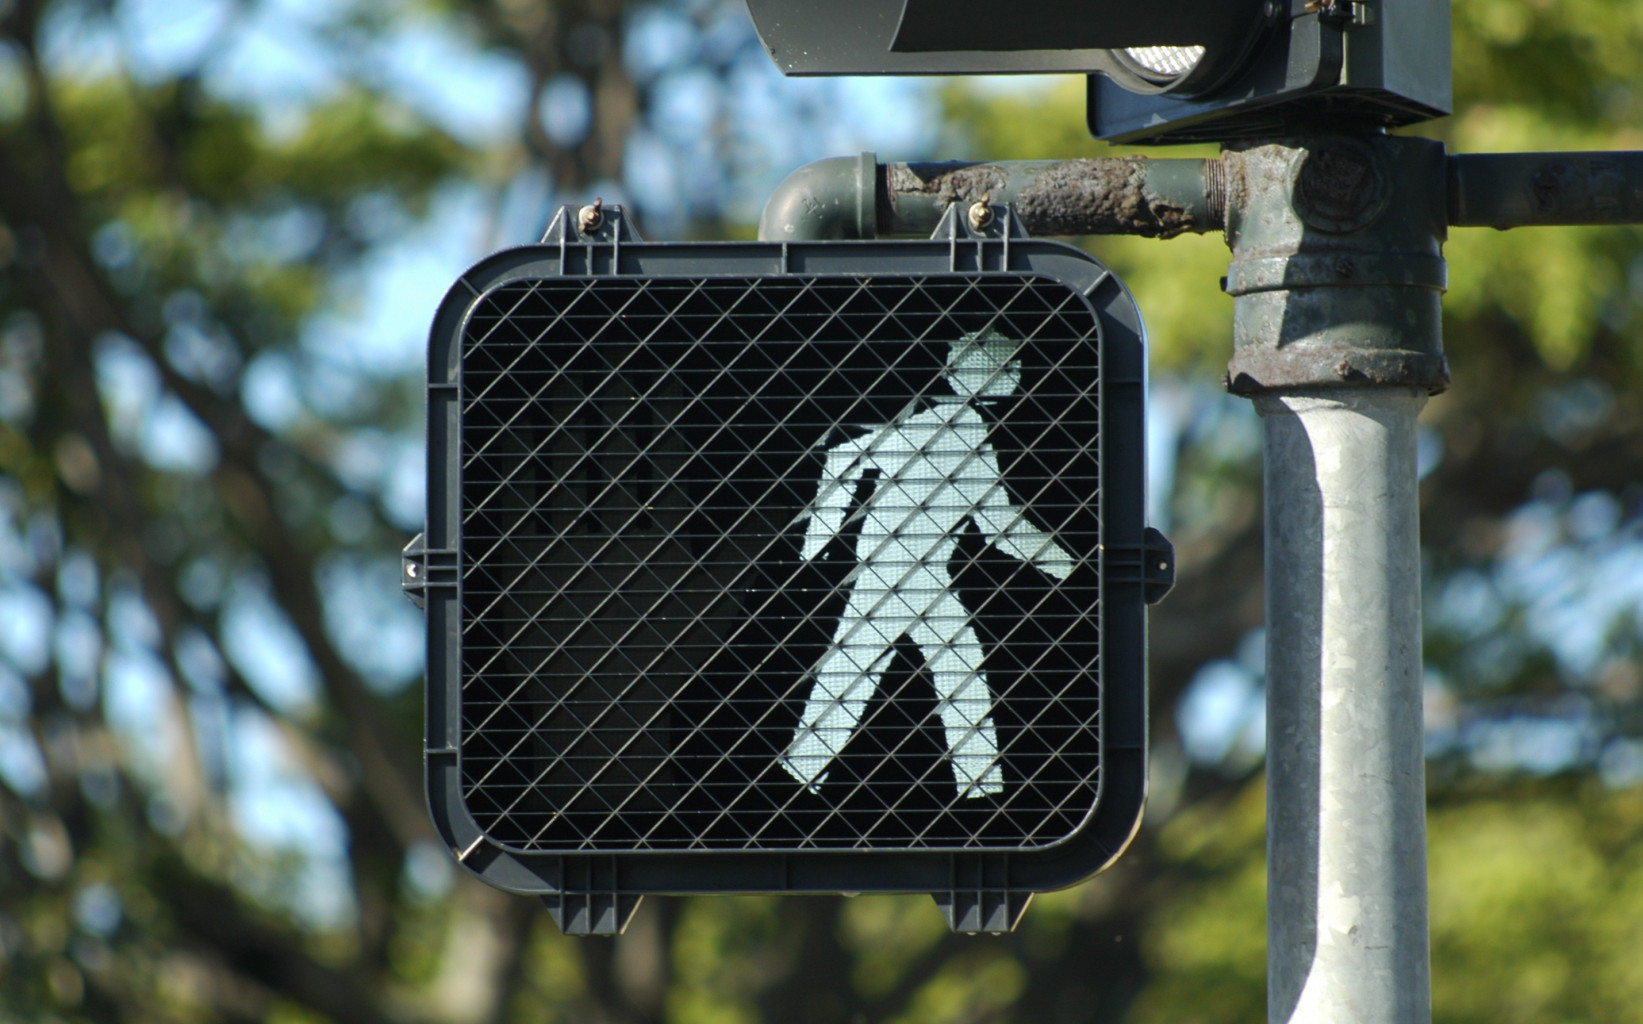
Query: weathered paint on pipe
column 1108, row 196
column 851, row 197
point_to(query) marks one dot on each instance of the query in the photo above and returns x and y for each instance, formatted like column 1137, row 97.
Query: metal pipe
column 1346, row 796
column 1107, row 196
column 1511, row 190
column 856, row 197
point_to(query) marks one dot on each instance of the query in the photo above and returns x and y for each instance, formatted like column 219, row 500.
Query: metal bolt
column 981, row 214
column 590, row 217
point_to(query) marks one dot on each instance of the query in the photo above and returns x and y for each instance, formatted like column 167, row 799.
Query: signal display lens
column 781, row 563
column 1167, row 62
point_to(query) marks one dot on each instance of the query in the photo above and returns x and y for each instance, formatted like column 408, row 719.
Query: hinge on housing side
column 1152, row 565
column 1158, row 565
column 421, row 570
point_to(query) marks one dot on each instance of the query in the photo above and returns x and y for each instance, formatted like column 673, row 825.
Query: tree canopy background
column 223, row 224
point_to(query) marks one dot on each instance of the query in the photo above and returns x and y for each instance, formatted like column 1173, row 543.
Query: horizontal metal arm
column 857, row 197
column 1513, row 190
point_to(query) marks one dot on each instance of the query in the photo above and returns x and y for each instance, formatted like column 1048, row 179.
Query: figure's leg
column 846, row 678
column 953, row 652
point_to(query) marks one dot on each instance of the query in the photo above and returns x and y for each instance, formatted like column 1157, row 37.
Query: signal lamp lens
column 1230, row 33
column 1165, row 63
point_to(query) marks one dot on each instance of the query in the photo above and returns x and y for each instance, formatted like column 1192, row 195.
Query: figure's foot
column 809, row 769
column 991, row 783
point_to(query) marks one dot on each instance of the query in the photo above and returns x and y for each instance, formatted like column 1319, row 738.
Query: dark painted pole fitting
column 833, row 198
column 1337, row 270
column 851, row 197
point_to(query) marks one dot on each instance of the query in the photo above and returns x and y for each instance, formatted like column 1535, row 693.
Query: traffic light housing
column 1375, row 64
column 1162, row 71
column 683, row 497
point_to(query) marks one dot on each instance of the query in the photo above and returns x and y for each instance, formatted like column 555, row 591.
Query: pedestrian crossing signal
column 785, row 568
column 917, row 484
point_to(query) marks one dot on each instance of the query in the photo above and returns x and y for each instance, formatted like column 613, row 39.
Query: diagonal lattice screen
column 787, row 563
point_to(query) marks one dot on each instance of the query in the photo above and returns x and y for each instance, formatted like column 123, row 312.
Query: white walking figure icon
column 936, row 470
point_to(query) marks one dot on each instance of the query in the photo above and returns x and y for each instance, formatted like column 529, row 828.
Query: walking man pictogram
column 929, row 472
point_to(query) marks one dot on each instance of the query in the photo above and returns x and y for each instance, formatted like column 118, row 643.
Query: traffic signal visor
column 1169, row 43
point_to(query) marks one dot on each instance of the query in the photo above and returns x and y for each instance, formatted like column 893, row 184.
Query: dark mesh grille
column 646, row 631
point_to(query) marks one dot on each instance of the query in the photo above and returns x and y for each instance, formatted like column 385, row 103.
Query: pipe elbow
column 832, row 198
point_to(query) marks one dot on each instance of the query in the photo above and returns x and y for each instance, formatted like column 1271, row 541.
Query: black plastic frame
column 1131, row 571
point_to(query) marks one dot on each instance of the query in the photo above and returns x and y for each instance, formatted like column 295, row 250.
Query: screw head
column 590, row 217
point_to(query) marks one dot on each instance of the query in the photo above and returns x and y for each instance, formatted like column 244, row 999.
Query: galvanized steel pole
column 1336, row 277
column 1346, row 796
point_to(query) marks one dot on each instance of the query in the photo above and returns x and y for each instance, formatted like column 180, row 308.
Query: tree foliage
column 210, row 801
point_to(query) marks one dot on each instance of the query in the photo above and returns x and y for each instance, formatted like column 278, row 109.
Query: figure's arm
column 1006, row 527
column 833, row 492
